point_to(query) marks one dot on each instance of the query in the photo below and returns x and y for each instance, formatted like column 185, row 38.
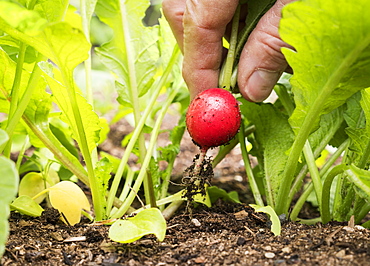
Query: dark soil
column 226, row 234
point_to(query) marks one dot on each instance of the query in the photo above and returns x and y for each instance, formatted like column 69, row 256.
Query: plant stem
column 248, row 168
column 172, row 208
column 227, row 70
column 87, row 62
column 362, row 213
column 86, row 153
column 325, row 205
column 138, row 128
column 302, row 199
column 153, row 139
column 15, row 95
column 315, row 176
column 133, row 89
column 226, row 149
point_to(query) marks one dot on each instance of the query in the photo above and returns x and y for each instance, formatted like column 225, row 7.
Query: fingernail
column 261, row 83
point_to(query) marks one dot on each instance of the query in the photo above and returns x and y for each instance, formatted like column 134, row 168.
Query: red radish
column 213, row 118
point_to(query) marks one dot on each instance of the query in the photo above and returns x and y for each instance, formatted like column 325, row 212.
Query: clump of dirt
column 197, row 180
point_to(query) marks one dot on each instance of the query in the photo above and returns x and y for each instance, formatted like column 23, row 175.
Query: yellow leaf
column 69, row 199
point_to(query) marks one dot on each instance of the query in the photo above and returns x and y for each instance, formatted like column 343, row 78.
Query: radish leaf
column 148, row 221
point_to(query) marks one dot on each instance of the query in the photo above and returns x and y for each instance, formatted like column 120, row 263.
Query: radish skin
column 213, row 118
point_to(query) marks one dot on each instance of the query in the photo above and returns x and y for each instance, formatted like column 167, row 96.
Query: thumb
column 261, row 62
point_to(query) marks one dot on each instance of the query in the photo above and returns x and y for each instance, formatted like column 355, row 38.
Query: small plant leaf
column 69, row 199
column 216, row 193
column 32, row 184
column 148, row 221
column 275, row 221
column 8, row 189
column 26, row 205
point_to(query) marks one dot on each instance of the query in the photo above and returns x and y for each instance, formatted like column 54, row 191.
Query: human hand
column 199, row 27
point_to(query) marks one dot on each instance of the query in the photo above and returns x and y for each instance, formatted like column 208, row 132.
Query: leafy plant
column 42, row 44
column 331, row 75
column 325, row 102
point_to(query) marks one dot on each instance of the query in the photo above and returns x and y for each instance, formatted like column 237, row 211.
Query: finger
column 204, row 26
column 174, row 10
column 262, row 63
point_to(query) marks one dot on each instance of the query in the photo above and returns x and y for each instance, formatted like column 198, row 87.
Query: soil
column 226, row 234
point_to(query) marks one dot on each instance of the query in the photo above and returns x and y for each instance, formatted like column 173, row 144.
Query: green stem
column 365, row 209
column 314, row 172
column 82, row 141
column 298, row 182
column 26, row 97
column 15, row 96
column 152, row 198
column 87, row 65
column 325, row 204
column 128, row 182
column 21, row 153
column 285, row 98
column 166, row 179
column 226, row 149
column 227, row 70
column 132, row 83
column 87, row 62
column 137, row 131
column 172, row 208
column 248, row 168
column 153, row 139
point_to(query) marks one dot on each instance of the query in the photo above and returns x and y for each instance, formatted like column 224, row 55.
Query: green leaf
column 32, row 184
column 52, row 11
column 329, row 124
column 275, row 221
column 274, row 137
column 8, row 189
column 148, row 221
column 133, row 51
column 90, row 120
column 331, row 61
column 26, row 205
column 26, row 21
column 216, row 193
column 63, row 44
column 361, row 179
column 356, row 116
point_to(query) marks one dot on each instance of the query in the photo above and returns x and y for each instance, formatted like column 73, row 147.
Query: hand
column 199, row 25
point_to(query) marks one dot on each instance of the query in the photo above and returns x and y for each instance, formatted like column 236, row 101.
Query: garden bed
column 225, row 234
column 222, row 235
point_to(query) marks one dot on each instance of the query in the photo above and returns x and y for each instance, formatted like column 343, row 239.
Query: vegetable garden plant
column 312, row 143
